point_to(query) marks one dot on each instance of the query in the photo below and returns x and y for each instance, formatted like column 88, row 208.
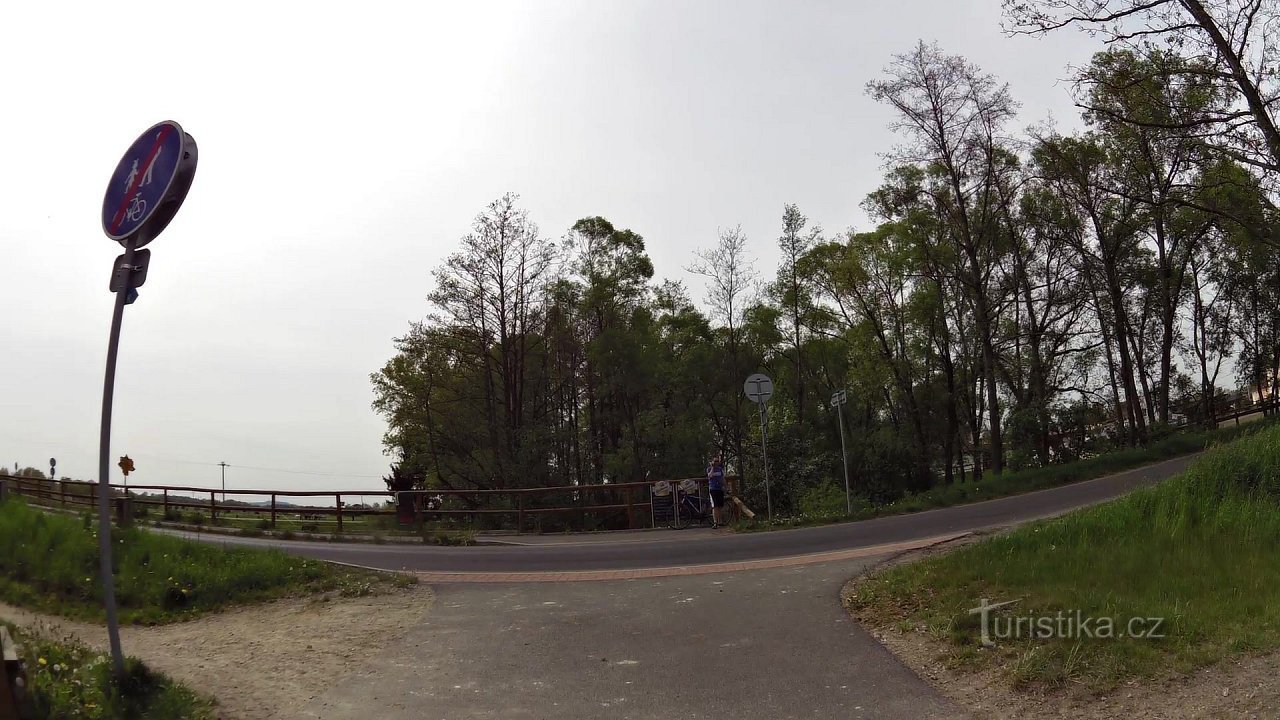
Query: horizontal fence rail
column 600, row 506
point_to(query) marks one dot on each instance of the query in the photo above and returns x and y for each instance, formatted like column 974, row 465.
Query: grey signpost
column 147, row 188
column 838, row 399
column 759, row 388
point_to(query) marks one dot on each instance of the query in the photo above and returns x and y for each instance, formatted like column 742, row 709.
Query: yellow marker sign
column 126, row 465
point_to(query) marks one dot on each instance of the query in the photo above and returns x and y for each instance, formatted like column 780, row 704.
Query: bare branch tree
column 1231, row 43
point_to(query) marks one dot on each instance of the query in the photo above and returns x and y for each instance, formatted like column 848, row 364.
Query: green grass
column 1199, row 550
column 991, row 487
column 49, row 562
column 68, row 680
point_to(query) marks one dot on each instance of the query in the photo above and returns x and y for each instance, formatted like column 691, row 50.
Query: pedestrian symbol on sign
column 146, row 176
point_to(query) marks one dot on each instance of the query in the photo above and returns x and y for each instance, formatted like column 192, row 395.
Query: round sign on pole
column 758, row 388
column 149, row 182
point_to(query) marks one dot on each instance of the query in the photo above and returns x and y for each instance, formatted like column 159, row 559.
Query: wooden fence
column 574, row 506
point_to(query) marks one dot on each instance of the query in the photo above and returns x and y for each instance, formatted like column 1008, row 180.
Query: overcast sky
column 344, row 149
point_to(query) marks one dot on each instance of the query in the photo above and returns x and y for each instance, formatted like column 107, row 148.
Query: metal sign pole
column 764, row 447
column 844, row 456
column 104, row 480
column 759, row 388
column 144, row 193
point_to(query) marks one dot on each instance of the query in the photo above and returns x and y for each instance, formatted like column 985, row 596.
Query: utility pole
column 224, row 480
column 838, row 399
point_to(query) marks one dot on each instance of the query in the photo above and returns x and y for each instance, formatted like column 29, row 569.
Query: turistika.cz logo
column 1064, row 624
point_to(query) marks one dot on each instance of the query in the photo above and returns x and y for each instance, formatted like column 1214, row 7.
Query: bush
column 824, row 500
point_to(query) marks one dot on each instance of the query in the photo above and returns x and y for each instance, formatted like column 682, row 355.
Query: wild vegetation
column 1024, row 299
column 1196, row 552
column 65, row 679
column 49, row 562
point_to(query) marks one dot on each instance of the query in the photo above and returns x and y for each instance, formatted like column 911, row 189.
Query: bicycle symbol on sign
column 136, row 208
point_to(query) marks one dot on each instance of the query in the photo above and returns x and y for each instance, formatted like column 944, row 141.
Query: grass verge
column 1198, row 552
column 68, row 680
column 49, row 562
column 1014, row 483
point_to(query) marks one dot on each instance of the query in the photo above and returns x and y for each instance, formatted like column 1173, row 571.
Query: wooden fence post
column 213, row 507
column 338, row 506
column 11, row 674
column 62, row 492
column 520, row 513
column 166, row 503
column 631, row 509
column 273, row 510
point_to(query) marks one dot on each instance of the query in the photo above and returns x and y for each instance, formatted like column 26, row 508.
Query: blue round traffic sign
column 142, row 180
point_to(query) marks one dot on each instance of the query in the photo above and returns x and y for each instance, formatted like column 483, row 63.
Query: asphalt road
column 676, row 549
column 752, row 644
column 755, row 645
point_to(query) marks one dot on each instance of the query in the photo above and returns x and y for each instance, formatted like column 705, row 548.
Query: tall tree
column 731, row 274
column 791, row 290
column 953, row 114
column 1136, row 102
column 1080, row 169
column 1231, row 44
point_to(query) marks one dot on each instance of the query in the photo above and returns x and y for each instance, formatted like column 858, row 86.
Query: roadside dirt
column 261, row 662
column 1247, row 687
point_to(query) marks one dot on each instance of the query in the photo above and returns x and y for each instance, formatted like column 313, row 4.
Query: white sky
column 344, row 148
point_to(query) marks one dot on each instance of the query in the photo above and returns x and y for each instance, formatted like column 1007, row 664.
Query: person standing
column 715, row 486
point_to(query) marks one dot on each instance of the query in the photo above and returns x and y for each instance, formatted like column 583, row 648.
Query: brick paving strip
column 656, row 572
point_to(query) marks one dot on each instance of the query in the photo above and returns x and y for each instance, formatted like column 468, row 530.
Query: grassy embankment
column 1198, row 551
column 49, row 562
column 831, row 509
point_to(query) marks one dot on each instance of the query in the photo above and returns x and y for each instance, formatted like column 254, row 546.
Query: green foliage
column 435, row 536
column 1010, row 483
column 50, row 562
column 825, row 500
column 1012, row 310
column 1197, row 550
column 68, row 680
